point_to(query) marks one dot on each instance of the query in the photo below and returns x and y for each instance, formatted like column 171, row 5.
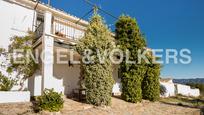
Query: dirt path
column 118, row 107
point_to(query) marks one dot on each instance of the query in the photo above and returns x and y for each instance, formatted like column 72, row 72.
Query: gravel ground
column 118, row 107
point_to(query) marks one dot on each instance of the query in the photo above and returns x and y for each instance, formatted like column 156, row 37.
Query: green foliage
column 150, row 83
column 184, row 101
column 98, row 79
column 162, row 89
column 28, row 66
column 2, row 50
column 50, row 101
column 6, row 83
column 130, row 38
column 128, row 34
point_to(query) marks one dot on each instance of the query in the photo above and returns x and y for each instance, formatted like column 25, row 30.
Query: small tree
column 97, row 76
column 28, row 66
column 130, row 38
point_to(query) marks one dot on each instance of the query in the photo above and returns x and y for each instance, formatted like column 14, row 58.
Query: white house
column 187, row 90
column 55, row 30
column 172, row 89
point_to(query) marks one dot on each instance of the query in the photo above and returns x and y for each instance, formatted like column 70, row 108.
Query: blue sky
column 173, row 24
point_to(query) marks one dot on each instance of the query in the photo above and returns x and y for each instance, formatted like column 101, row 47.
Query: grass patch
column 184, row 101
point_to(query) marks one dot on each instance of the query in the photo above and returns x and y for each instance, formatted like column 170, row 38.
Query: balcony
column 67, row 29
column 63, row 29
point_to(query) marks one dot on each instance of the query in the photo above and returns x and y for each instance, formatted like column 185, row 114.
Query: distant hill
column 184, row 81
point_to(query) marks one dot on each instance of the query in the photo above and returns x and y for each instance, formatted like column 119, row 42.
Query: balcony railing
column 67, row 29
column 62, row 28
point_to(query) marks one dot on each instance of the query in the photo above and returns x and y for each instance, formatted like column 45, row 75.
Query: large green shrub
column 6, row 83
column 150, row 83
column 129, row 38
column 50, row 101
column 98, row 79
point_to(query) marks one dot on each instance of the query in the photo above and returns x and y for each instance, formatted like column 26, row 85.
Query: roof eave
column 54, row 11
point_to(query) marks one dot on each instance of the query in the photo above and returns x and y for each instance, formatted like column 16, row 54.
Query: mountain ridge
column 191, row 80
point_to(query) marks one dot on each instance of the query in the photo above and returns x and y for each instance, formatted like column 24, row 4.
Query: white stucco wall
column 15, row 21
column 117, row 87
column 170, row 89
column 35, row 84
column 67, row 77
column 183, row 89
column 15, row 96
column 187, row 91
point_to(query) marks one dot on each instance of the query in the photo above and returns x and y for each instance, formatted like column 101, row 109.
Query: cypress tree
column 129, row 38
column 98, row 79
column 150, row 83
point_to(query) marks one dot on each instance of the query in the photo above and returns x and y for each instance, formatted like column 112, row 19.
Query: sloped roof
column 45, row 7
column 165, row 79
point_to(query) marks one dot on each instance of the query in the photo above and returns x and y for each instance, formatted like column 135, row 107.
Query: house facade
column 55, row 31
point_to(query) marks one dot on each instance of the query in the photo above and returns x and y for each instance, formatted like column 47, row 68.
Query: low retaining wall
column 195, row 92
column 183, row 89
column 14, row 96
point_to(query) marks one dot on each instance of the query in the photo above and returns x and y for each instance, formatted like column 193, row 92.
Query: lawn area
column 184, row 101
